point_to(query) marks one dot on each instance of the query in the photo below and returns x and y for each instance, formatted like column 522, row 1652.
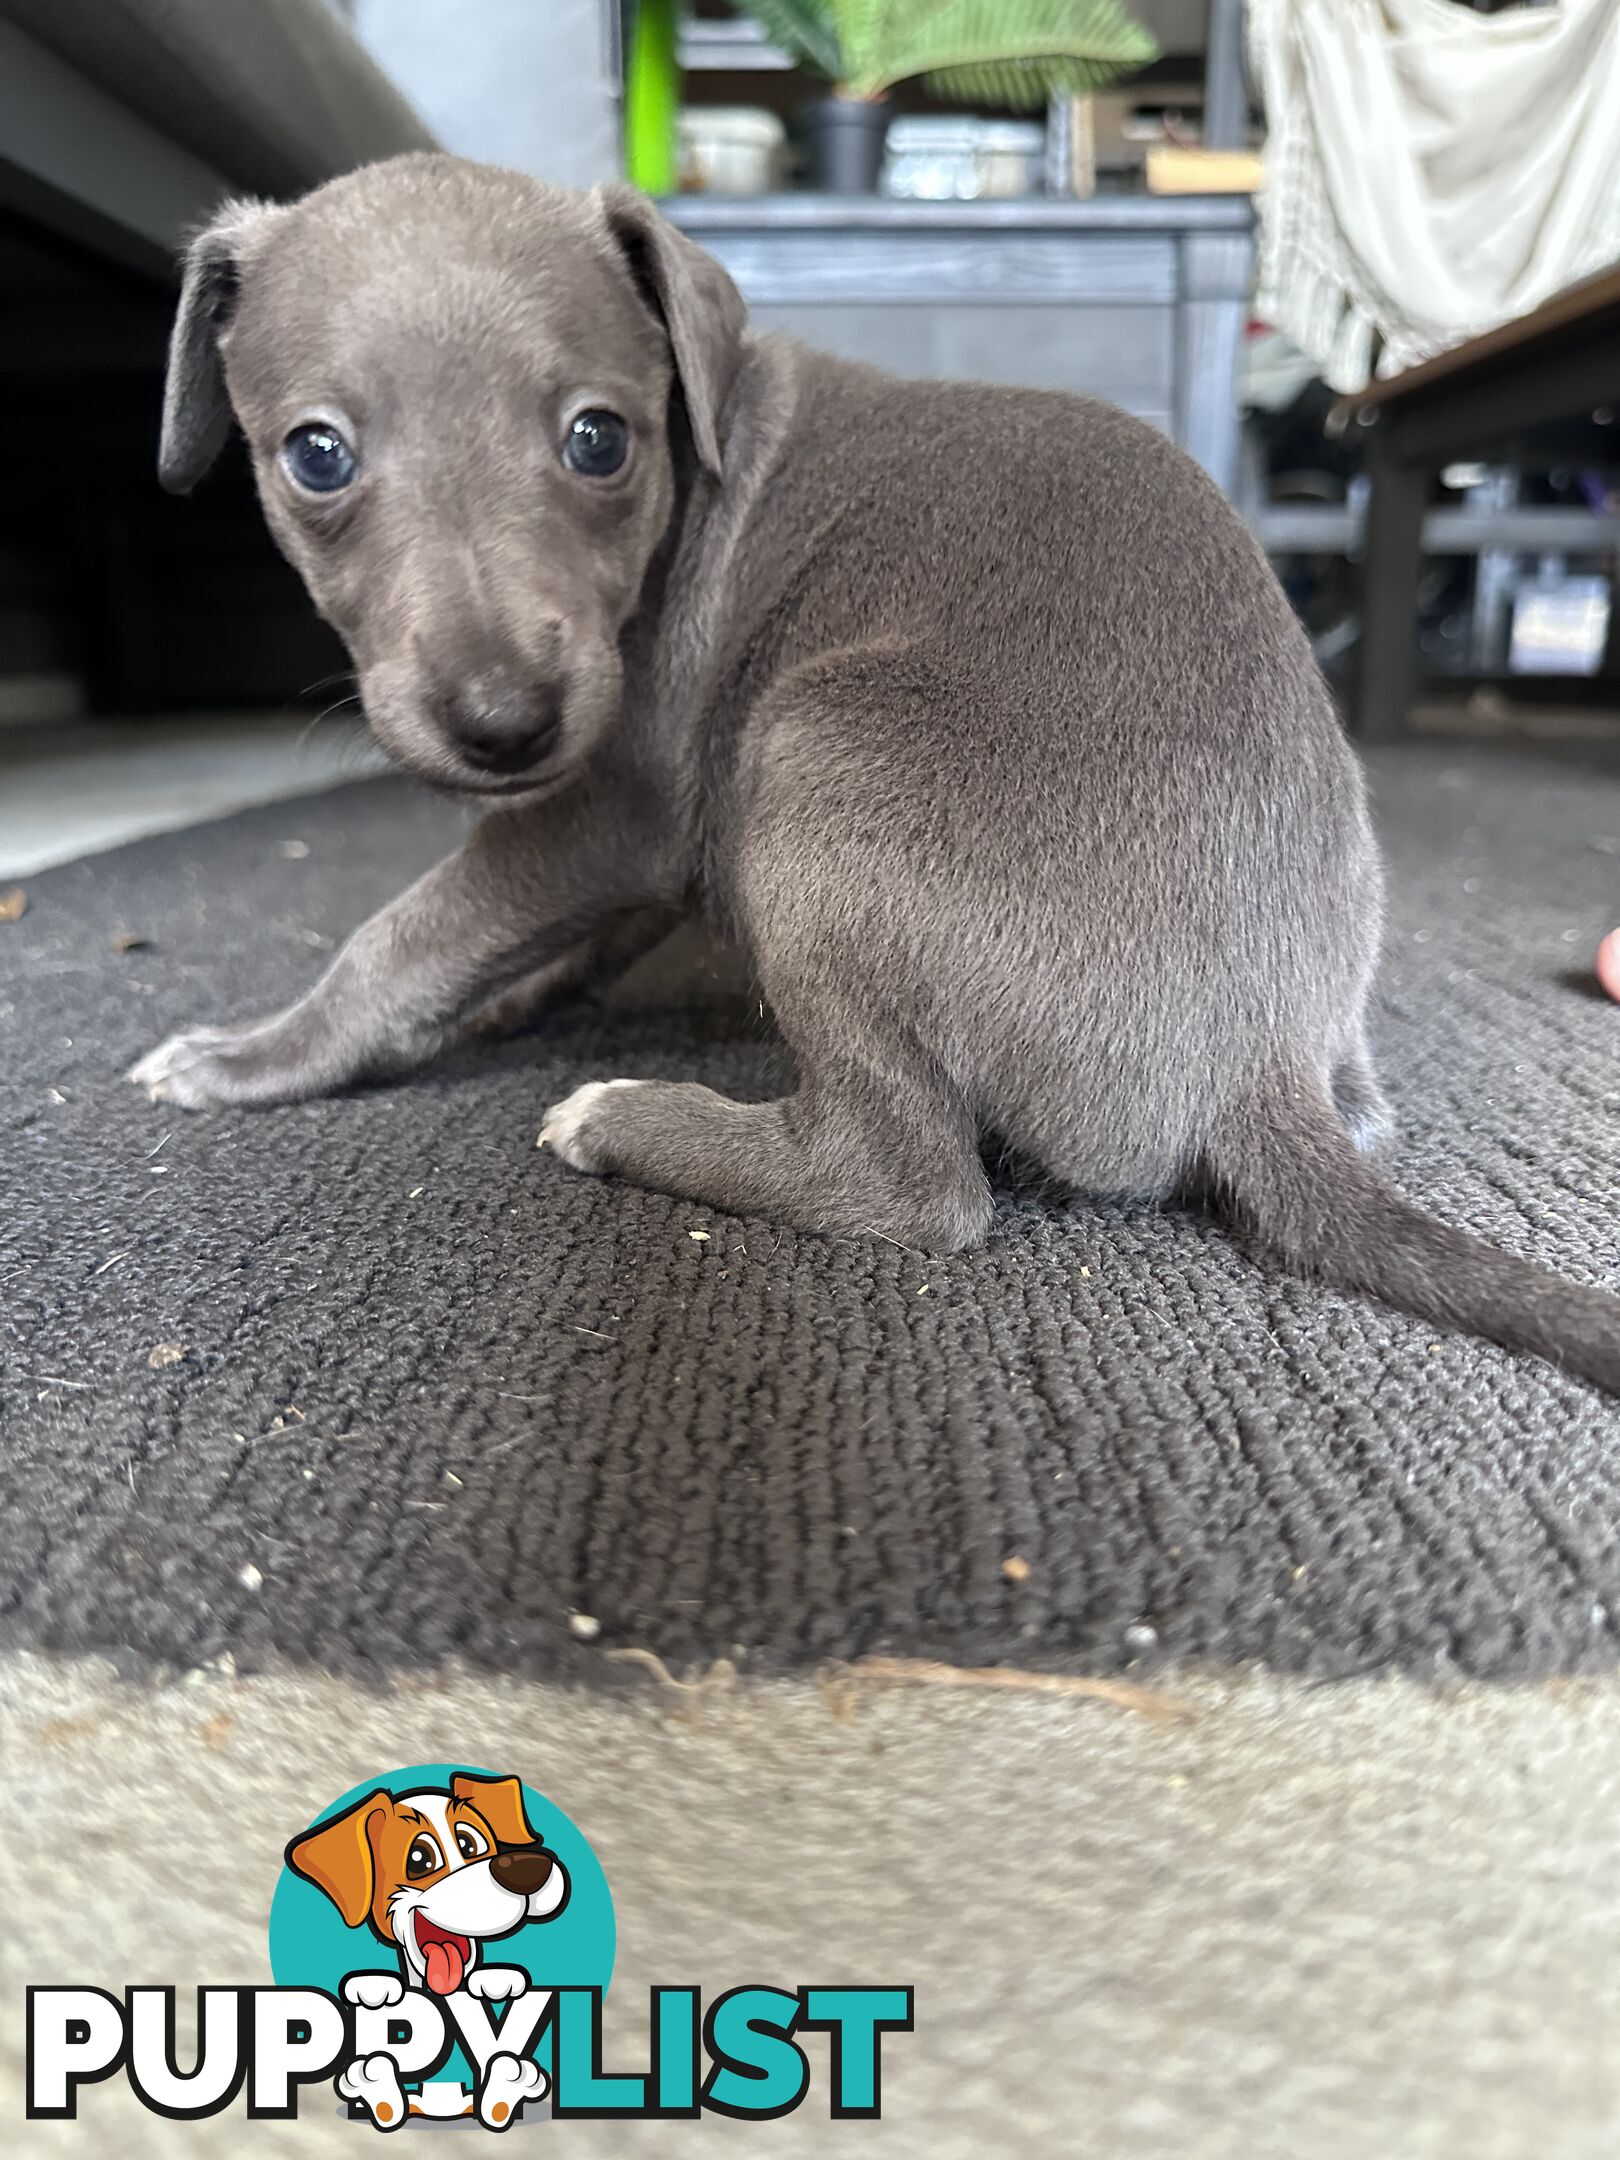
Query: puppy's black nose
column 507, row 733
column 521, row 1871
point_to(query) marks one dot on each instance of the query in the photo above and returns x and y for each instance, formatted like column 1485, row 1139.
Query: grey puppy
column 974, row 714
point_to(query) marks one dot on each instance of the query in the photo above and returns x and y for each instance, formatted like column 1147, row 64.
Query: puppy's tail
column 1285, row 1166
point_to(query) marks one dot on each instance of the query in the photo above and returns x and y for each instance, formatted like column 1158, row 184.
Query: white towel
column 1430, row 172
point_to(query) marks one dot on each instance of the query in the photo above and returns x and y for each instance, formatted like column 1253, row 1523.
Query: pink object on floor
column 1608, row 964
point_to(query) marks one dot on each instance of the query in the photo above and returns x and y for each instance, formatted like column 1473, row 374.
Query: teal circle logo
column 433, row 1870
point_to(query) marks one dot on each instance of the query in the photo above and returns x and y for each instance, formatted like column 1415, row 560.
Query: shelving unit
column 1137, row 298
column 1531, row 529
column 736, row 46
column 1140, row 299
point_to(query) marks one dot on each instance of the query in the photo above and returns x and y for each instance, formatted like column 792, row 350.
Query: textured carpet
column 428, row 1395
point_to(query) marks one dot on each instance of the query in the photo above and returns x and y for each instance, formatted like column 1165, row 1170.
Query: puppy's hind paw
column 508, row 2082
column 575, row 1128
column 374, row 2083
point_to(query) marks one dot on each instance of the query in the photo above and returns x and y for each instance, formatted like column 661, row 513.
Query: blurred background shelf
column 1335, row 529
column 736, row 45
column 1136, row 298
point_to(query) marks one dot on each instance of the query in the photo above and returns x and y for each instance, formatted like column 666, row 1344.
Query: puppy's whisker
column 338, row 705
column 324, row 682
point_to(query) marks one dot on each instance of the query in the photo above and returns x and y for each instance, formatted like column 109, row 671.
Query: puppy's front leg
column 537, row 891
column 599, row 961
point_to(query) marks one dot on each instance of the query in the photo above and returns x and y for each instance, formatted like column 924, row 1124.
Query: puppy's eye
column 469, row 1843
column 424, row 1857
column 597, row 444
column 319, row 459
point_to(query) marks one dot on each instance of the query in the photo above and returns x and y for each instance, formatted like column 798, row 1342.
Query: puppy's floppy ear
column 196, row 409
column 693, row 298
column 500, row 1801
column 337, row 1857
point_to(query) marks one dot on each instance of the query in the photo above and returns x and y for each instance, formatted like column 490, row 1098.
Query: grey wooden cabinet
column 1138, row 299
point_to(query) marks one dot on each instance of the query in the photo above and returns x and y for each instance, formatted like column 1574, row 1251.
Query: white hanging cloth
column 1430, row 172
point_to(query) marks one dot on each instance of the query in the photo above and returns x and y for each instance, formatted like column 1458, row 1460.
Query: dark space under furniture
column 123, row 123
column 1557, row 363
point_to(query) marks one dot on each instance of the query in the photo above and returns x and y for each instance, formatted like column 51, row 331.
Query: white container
column 952, row 157
column 1560, row 622
column 730, row 150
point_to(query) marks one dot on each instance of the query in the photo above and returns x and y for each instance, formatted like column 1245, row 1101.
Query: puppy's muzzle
column 521, row 1871
column 499, row 728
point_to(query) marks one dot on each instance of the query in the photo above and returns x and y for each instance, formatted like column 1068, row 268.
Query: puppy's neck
column 678, row 647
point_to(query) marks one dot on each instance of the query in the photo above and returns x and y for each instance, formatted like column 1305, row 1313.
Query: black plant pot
column 844, row 141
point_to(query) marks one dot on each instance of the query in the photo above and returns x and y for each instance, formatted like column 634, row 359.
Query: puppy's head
column 470, row 402
column 435, row 1873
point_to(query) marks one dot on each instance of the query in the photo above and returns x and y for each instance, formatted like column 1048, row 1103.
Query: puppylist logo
column 441, row 1941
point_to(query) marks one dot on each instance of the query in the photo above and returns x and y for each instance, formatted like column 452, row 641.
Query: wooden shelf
column 803, row 211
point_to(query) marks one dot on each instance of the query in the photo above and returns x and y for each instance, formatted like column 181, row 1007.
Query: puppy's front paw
column 374, row 2083
column 508, row 2082
column 292, row 1055
column 190, row 1070
column 497, row 1983
column 374, row 1991
column 576, row 1128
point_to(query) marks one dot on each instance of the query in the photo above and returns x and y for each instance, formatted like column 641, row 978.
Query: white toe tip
column 564, row 1128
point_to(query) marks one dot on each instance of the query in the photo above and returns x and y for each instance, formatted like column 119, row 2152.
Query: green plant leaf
column 808, row 28
column 994, row 52
column 1022, row 85
column 861, row 30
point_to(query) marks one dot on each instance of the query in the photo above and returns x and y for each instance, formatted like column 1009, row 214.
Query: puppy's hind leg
column 886, row 1150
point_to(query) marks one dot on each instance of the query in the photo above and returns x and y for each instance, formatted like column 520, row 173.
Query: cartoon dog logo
column 435, row 1876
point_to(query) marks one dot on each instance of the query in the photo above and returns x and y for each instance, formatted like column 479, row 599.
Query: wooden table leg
column 1389, row 602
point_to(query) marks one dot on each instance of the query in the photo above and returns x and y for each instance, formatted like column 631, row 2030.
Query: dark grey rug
column 434, row 1395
